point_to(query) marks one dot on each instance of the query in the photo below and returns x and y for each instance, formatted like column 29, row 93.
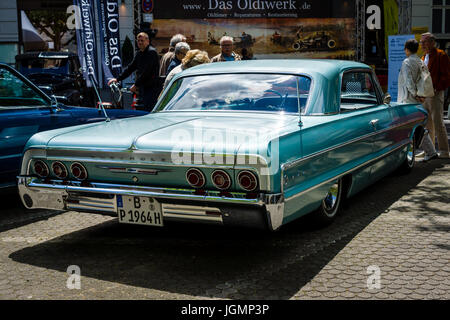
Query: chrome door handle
column 374, row 122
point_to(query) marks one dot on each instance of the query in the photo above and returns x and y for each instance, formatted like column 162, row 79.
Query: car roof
column 325, row 93
column 325, row 67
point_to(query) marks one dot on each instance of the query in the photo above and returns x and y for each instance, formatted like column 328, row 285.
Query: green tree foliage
column 53, row 24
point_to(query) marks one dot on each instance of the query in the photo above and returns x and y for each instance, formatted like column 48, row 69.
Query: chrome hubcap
column 329, row 203
column 410, row 154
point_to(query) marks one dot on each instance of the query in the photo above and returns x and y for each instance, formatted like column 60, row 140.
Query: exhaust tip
column 27, row 200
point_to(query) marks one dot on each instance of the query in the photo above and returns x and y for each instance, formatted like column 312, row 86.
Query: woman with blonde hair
column 192, row 59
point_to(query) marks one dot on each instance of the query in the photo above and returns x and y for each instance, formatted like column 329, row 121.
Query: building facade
column 9, row 31
column 432, row 16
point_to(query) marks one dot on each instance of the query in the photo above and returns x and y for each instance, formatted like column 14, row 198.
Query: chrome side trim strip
column 347, row 172
column 294, row 163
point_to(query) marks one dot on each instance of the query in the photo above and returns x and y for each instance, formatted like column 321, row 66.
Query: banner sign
column 390, row 9
column 396, row 56
column 108, row 15
column 87, row 48
column 244, row 9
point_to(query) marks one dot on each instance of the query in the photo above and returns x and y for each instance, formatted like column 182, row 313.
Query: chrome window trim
column 376, row 86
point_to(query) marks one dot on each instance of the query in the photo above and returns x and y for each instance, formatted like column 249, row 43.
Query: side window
column 357, row 91
column 16, row 93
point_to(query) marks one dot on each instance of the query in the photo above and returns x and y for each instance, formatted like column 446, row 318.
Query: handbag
column 425, row 83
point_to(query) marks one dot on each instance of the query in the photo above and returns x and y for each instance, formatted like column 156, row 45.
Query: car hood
column 171, row 131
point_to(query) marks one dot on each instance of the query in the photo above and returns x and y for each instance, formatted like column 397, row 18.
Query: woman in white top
column 407, row 88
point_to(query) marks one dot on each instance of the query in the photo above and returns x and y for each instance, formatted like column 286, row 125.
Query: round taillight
column 78, row 171
column 41, row 169
column 247, row 180
column 195, row 178
column 221, row 179
column 59, row 170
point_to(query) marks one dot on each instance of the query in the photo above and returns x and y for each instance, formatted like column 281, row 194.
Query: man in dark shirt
column 180, row 52
column 146, row 65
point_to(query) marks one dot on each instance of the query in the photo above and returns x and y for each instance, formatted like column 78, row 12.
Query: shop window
column 441, row 16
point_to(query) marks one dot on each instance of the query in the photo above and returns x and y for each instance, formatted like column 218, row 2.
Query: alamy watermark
column 74, row 20
column 374, row 280
column 202, row 145
column 74, row 280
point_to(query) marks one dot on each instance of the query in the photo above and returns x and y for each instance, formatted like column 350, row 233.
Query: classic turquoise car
column 248, row 143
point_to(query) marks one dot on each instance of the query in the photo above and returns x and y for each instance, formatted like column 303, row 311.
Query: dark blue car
column 26, row 110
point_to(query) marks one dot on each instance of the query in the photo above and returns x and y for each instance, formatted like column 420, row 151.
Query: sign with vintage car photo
column 265, row 38
column 108, row 16
column 266, row 29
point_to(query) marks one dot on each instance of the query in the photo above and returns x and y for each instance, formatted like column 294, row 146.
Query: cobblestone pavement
column 399, row 227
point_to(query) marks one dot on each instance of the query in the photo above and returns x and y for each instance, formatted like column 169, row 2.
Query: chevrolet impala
column 249, row 143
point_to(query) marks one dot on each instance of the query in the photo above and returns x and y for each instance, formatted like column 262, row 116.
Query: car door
column 361, row 100
column 22, row 113
column 386, row 138
column 381, row 118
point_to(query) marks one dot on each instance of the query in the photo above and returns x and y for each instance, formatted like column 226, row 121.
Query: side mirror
column 55, row 105
column 387, row 98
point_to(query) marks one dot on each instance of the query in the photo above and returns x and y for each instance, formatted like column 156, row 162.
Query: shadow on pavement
column 13, row 213
column 210, row 261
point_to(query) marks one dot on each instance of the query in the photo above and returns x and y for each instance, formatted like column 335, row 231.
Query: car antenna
column 94, row 84
column 300, row 123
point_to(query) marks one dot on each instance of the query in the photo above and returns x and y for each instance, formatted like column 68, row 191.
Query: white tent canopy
column 30, row 36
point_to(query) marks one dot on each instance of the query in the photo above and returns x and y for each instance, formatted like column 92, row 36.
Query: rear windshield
column 238, row 92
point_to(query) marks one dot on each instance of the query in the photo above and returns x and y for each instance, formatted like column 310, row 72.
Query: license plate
column 139, row 210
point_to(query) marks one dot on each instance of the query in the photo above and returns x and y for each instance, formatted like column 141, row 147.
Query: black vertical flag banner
column 108, row 15
column 86, row 41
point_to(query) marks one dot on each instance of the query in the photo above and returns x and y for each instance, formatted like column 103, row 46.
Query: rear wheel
column 330, row 205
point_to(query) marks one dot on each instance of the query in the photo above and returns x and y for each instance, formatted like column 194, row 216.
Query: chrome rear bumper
column 264, row 211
